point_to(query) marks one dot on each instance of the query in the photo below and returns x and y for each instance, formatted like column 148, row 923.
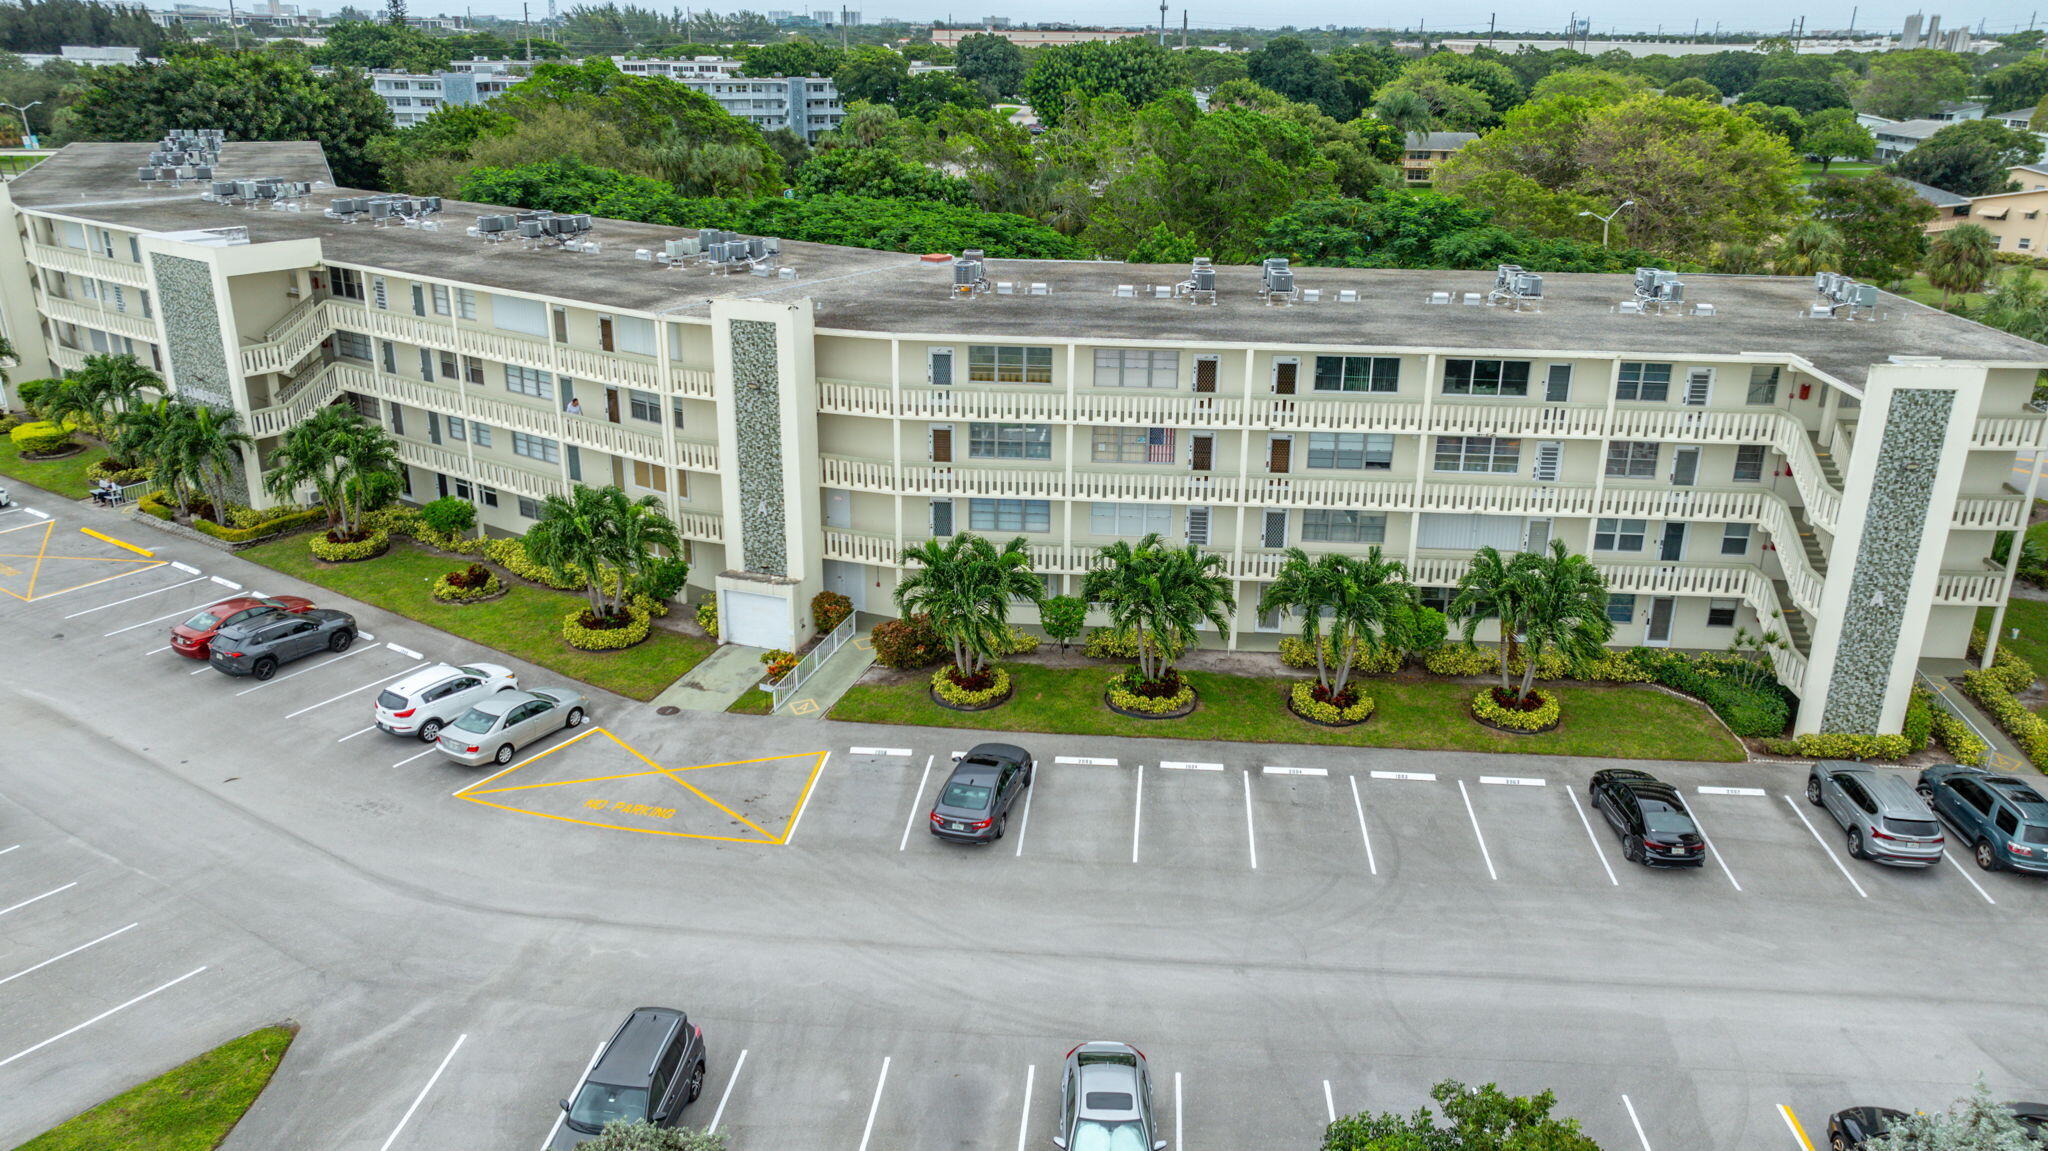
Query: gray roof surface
column 1933, row 195
column 1914, row 129
column 857, row 289
column 1441, row 141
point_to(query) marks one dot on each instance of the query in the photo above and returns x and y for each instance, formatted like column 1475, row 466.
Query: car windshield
column 476, row 719
column 204, row 621
column 391, row 700
column 1095, row 1135
column 1659, row 816
column 600, row 1103
column 972, row 796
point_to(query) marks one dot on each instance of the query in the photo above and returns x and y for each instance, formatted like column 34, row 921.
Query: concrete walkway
column 713, row 685
column 823, row 689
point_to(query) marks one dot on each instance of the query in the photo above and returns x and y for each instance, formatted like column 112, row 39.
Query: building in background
column 1036, row 37
column 86, row 57
column 694, row 68
column 2017, row 221
column 1426, row 150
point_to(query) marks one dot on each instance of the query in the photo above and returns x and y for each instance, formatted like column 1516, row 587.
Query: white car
column 431, row 698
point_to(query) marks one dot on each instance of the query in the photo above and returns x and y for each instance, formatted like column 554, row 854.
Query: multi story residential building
column 2017, row 221
column 1738, row 461
column 806, row 105
column 1036, row 37
column 695, row 68
column 1426, row 150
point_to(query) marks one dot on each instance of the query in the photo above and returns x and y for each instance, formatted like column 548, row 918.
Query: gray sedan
column 258, row 644
column 502, row 724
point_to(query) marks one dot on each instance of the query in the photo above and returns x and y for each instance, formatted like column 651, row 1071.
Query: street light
column 26, row 135
column 1608, row 218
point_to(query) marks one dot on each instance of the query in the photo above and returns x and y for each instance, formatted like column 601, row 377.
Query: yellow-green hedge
column 707, row 617
column 40, row 437
column 1460, row 660
column 1303, row 695
column 1955, row 735
column 1123, row 697
column 511, row 555
column 606, row 639
column 448, row 592
column 262, row 527
column 2027, row 730
column 1545, row 715
column 1296, row 652
column 334, row 553
column 944, row 687
column 1103, row 643
column 1849, row 745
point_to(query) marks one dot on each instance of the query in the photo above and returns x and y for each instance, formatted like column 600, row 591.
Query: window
column 1009, row 441
column 465, row 304
column 1486, row 377
column 1136, row 368
column 1352, row 450
column 1366, row 374
column 1650, row 383
column 1632, row 459
column 1735, row 539
column 1129, row 519
column 1615, row 535
column 529, row 509
column 1326, row 525
column 631, row 334
column 472, row 369
column 457, row 430
column 1749, row 463
column 426, row 364
column 353, row 345
column 536, row 447
column 390, row 352
column 649, row 475
column 2026, row 242
column 441, row 307
column 518, row 314
column 447, row 365
column 397, row 418
column 676, row 411
column 480, row 434
column 1133, row 445
column 1763, row 384
column 347, row 283
column 1621, row 607
column 643, row 405
column 1436, row 598
column 1721, row 612
column 1009, row 515
column 997, row 365
column 380, row 293
column 1478, row 454
column 529, row 382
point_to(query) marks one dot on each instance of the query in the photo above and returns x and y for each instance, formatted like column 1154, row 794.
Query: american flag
column 1159, row 446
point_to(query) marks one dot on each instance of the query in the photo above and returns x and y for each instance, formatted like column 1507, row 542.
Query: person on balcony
column 574, row 407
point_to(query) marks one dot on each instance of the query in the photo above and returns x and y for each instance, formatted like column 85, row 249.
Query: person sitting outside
column 574, row 408
column 106, row 493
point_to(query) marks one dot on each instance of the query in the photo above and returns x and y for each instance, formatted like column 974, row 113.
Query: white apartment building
column 1752, row 464
column 695, row 67
column 807, row 105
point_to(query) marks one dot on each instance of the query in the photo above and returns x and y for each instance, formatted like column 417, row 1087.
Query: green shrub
column 1302, row 694
column 31, row 393
column 449, row 515
column 1918, row 727
column 1841, row 745
column 1461, row 660
column 1427, row 629
column 468, row 585
column 1105, row 643
column 2027, row 730
column 997, row 687
column 1957, row 739
column 40, row 438
column 829, row 609
column 664, row 579
column 9, row 421
column 1063, row 617
column 158, row 504
column 606, row 639
column 280, row 520
column 779, row 663
column 1016, row 641
column 510, row 554
column 1121, row 695
column 707, row 616
column 337, row 553
column 112, row 470
column 1295, row 652
column 1549, row 665
column 907, row 643
column 1610, row 666
column 2010, row 668
column 1758, row 710
column 1545, row 715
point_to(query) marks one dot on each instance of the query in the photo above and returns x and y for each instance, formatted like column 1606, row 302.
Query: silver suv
column 431, row 698
column 1884, row 818
column 1106, row 1100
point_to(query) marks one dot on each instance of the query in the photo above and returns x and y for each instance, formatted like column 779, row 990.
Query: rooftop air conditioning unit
column 683, row 249
column 533, row 229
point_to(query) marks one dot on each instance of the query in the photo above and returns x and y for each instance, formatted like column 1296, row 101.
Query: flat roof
column 862, row 290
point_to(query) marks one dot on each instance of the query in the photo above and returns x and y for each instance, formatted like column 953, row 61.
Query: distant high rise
column 1910, row 38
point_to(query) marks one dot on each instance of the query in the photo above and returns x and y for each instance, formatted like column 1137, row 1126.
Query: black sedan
column 258, row 644
column 1651, row 818
column 974, row 805
column 1854, row 1127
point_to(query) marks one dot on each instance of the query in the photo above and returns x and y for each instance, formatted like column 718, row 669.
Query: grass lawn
column 526, row 623
column 1811, row 170
column 1621, row 722
column 65, row 477
column 188, row 1108
column 1917, row 288
column 2031, row 617
column 751, row 702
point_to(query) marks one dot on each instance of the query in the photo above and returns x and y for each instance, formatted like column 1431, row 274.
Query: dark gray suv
column 257, row 645
column 652, row 1067
column 1881, row 816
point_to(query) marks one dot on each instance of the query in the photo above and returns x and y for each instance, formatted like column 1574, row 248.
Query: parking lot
column 1287, row 932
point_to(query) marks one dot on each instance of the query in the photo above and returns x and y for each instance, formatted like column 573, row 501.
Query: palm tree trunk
column 1349, row 651
column 1144, row 654
column 1322, row 671
column 1528, row 673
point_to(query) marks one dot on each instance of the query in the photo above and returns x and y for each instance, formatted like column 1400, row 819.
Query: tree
column 610, row 538
column 873, row 73
column 190, row 448
column 878, row 172
column 1563, row 609
column 1597, row 84
column 641, row 1135
column 1786, row 123
column 366, row 45
column 1693, row 88
column 2020, row 84
column 1969, row 157
column 1802, row 96
column 1497, row 588
column 924, row 95
column 1406, row 111
column 8, row 359
column 965, row 586
column 1973, row 1123
column 796, row 57
column 1160, row 596
column 1454, row 106
column 2017, row 303
column 102, row 388
column 1134, row 68
column 1904, row 85
column 1807, row 247
column 1359, row 599
column 1882, row 224
column 1832, row 134
column 48, row 25
column 309, row 455
column 1287, row 65
column 991, row 61
column 1485, row 1119
column 251, row 95
column 1062, row 617
column 1959, row 260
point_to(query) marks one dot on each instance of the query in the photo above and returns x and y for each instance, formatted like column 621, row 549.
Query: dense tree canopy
column 1969, row 157
column 1803, row 96
column 795, row 57
column 1403, row 228
column 1137, row 70
column 365, row 44
column 2020, row 84
column 1881, row 222
column 1903, row 85
column 871, row 73
column 993, row 62
column 878, row 173
column 1287, row 65
column 48, row 25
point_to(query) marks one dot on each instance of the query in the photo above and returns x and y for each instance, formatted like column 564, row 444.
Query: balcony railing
column 134, row 325
column 290, row 339
column 82, row 263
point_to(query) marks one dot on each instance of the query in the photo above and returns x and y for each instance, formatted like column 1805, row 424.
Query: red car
column 192, row 638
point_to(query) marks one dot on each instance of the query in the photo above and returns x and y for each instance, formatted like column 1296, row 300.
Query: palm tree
column 645, row 534
column 1357, row 598
column 367, row 470
column 1564, row 609
column 1160, row 596
column 99, row 391
column 1493, row 587
column 1738, row 258
column 309, row 455
column 1808, row 247
column 2018, row 304
column 1406, row 112
column 1306, row 588
column 1959, row 260
column 607, row 536
column 190, row 447
column 964, row 586
column 7, row 358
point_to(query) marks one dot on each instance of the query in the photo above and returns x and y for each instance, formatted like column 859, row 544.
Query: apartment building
column 1426, row 150
column 2017, row 221
column 1739, row 461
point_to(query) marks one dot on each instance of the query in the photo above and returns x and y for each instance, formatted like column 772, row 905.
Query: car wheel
column 430, row 730
column 265, row 668
column 1926, row 795
column 575, row 717
column 1837, row 1142
column 696, row 1082
column 1632, row 849
column 1813, row 791
column 1987, row 858
column 504, row 755
column 1856, row 843
column 1002, row 825
column 340, row 640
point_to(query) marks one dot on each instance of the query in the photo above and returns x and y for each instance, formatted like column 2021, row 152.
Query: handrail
column 808, row 666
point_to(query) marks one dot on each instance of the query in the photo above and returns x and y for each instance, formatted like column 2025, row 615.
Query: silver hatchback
column 1883, row 818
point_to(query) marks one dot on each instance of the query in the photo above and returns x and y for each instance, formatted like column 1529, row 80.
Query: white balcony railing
column 83, row 263
column 133, row 325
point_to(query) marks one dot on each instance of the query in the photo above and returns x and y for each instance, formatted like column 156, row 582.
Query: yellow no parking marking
column 476, row 792
column 41, row 556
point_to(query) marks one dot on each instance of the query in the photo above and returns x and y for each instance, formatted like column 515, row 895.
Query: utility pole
column 525, row 19
column 1491, row 18
column 235, row 23
column 1183, row 28
column 1162, row 23
column 1853, row 10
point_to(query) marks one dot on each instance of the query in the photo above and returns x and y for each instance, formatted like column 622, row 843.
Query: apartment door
column 838, row 508
column 1685, row 467
column 1699, row 384
column 1557, row 384
column 939, row 367
column 1201, row 452
column 1198, row 525
column 1536, row 534
column 1659, row 633
column 1274, row 534
column 1549, row 462
column 1279, row 454
column 619, row 473
column 1285, row 372
column 941, row 442
column 942, row 519
column 848, row 579
column 1671, row 548
column 1205, row 374
column 611, row 404
column 604, row 333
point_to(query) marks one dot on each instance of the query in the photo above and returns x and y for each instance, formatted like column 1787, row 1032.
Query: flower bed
column 578, row 633
column 473, row 584
column 1545, row 714
column 1169, row 698
column 43, row 440
column 334, row 551
column 1296, row 652
column 1312, row 701
column 979, row 692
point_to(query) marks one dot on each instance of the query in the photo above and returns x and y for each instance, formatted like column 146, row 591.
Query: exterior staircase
column 1827, row 462
column 1793, row 622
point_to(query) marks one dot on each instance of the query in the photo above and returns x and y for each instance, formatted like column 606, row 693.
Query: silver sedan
column 498, row 726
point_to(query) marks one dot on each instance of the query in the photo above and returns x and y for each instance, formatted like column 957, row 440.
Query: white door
column 838, row 508
column 756, row 620
column 848, row 579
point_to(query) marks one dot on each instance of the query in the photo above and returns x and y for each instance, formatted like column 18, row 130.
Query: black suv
column 1651, row 818
column 650, row 1069
column 974, row 805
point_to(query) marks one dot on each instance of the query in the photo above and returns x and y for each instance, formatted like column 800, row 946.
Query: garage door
column 756, row 620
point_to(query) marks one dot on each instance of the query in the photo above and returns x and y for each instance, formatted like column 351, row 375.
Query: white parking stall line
column 422, row 1096
column 1251, row 834
column 1945, row 858
column 174, row 615
column 1714, row 851
column 557, row 1128
column 5, row 850
column 357, row 732
column 803, row 802
column 366, row 637
column 226, row 583
column 69, row 1031
column 1423, row 776
column 917, row 802
column 1359, row 805
column 98, row 582
column 1178, row 1142
column 40, row 898
column 1024, row 1124
column 1181, row 765
column 405, row 651
column 346, row 694
column 723, row 1096
column 1478, row 834
column 1025, row 826
column 1083, row 761
column 132, row 598
column 1799, row 1138
column 1638, row 1123
column 431, row 749
column 1329, row 1101
column 1138, row 814
column 66, row 955
column 895, row 751
column 202, row 669
column 1832, row 858
column 1513, row 780
column 154, row 650
column 869, row 1130
column 188, row 569
column 1731, row 791
column 304, row 670
column 1591, row 838
column 1269, row 769
column 37, row 514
